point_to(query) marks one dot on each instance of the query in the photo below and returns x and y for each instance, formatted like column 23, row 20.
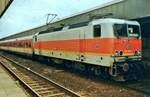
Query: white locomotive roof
column 114, row 21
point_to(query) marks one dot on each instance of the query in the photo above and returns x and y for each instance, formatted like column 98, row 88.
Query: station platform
column 8, row 87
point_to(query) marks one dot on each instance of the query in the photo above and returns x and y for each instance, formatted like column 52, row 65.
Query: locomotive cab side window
column 35, row 38
column 97, row 31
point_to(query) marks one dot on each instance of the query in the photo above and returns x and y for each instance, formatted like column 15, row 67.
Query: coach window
column 97, row 31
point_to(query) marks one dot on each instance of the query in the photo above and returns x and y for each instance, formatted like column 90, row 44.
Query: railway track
column 139, row 87
column 38, row 85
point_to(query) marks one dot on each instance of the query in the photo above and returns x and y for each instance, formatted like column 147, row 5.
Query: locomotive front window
column 133, row 30
column 120, row 30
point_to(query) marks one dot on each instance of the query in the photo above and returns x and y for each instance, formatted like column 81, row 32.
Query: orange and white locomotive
column 103, row 46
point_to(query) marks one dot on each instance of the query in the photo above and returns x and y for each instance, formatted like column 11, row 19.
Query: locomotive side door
column 36, row 45
column 33, row 44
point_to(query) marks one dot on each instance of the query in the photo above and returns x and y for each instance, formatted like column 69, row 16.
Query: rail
column 37, row 84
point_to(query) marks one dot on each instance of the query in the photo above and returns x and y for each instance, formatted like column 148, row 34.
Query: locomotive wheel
column 68, row 65
column 57, row 61
column 79, row 66
column 105, row 73
column 113, row 71
column 114, row 75
column 98, row 71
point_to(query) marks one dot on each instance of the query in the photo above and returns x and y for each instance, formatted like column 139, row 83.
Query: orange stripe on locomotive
column 106, row 46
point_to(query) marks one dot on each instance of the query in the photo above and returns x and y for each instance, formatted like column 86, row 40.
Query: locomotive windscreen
column 124, row 30
column 120, row 30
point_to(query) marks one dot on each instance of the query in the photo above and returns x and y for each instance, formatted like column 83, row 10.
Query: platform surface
column 8, row 87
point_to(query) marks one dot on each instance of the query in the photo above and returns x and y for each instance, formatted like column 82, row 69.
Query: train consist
column 106, row 47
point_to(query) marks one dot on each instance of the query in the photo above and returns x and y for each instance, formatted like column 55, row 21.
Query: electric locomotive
column 103, row 46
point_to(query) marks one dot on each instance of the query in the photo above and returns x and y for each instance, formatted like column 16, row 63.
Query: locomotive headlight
column 138, row 53
column 118, row 53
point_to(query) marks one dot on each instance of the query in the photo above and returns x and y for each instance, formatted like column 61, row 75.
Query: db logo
column 97, row 46
column 128, row 46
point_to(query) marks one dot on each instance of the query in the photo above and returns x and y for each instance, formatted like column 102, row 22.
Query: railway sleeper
column 48, row 92
column 57, row 94
column 43, row 89
column 44, row 86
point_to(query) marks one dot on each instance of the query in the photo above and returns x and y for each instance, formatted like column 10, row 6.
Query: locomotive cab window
column 97, row 31
column 120, row 30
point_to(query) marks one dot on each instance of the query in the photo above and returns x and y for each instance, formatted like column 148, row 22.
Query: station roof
column 4, row 4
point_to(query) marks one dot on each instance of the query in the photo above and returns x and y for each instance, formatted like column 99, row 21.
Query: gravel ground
column 85, row 86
